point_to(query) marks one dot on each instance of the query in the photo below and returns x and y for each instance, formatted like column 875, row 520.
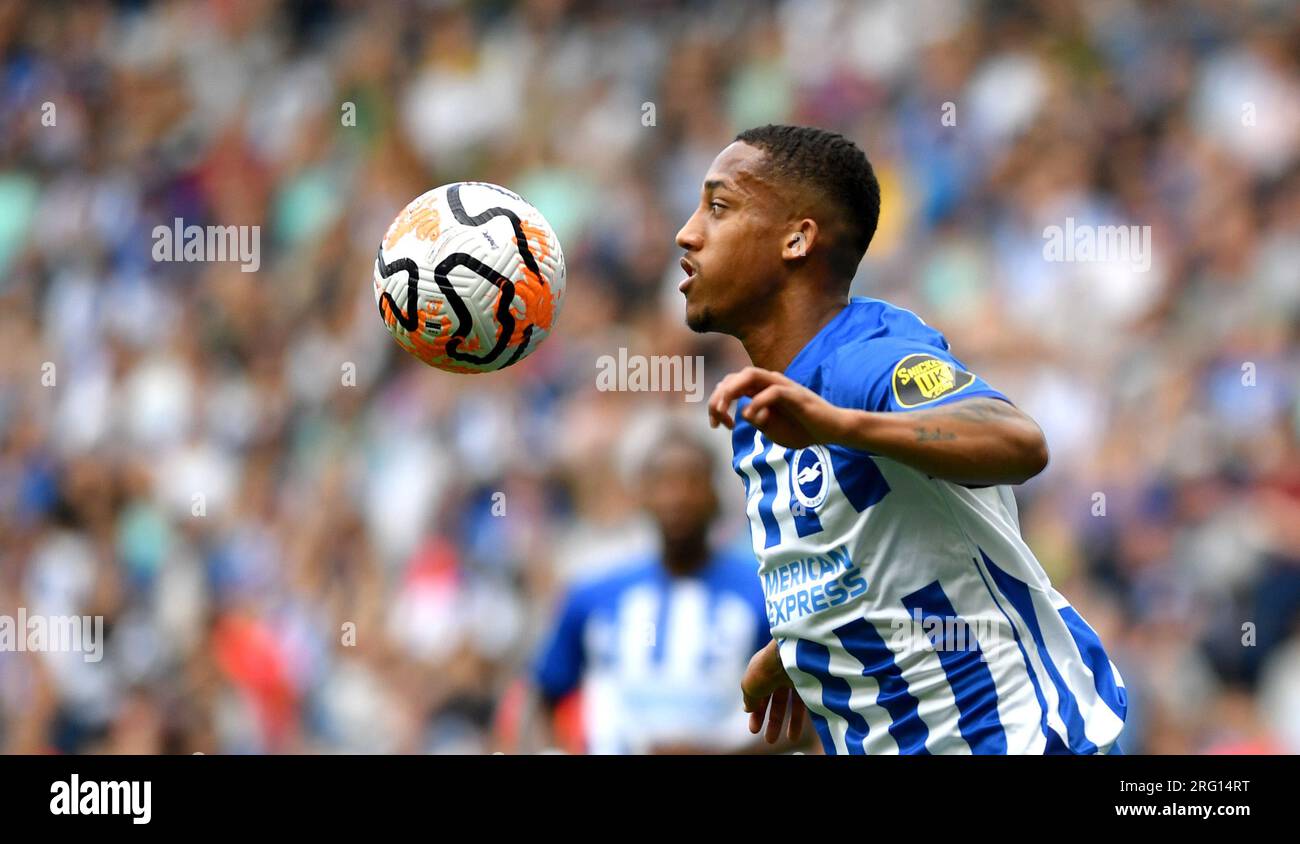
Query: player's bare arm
column 979, row 440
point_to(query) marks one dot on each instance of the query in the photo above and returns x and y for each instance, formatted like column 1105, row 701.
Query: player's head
column 780, row 204
column 675, row 482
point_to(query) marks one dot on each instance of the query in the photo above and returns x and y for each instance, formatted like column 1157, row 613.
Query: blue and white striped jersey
column 659, row 657
column 909, row 612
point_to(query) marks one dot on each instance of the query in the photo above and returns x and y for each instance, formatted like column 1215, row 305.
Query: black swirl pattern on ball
column 411, row 318
column 463, row 317
column 463, row 217
column 464, row 320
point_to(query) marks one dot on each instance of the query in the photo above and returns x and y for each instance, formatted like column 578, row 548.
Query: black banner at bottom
column 121, row 794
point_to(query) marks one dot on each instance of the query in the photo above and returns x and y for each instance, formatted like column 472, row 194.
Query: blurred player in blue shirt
column 659, row 645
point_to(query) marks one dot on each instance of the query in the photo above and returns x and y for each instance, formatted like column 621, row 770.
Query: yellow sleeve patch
column 920, row 379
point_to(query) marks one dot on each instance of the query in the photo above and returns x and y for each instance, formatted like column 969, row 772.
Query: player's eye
column 716, row 207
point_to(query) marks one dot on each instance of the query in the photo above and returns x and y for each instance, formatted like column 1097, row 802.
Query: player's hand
column 766, row 686
column 786, row 412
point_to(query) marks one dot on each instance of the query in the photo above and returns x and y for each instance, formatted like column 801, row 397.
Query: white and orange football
column 469, row 278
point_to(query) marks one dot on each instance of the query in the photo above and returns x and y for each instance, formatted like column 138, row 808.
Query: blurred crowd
column 303, row 540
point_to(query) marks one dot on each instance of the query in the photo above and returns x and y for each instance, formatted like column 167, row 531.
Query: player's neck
column 685, row 558
column 774, row 342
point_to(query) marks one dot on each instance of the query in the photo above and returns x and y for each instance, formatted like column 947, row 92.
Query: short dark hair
column 832, row 164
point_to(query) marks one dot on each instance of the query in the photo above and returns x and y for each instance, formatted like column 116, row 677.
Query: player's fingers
column 717, row 418
column 797, row 714
column 752, row 380
column 747, row 382
column 775, row 719
column 757, row 710
column 719, row 402
column 760, row 407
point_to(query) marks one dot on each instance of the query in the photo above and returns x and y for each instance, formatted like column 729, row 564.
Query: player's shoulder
column 610, row 582
column 865, row 343
column 867, row 333
column 883, row 330
column 895, row 361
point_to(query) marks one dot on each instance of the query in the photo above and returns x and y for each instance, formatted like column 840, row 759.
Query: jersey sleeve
column 558, row 667
column 894, row 376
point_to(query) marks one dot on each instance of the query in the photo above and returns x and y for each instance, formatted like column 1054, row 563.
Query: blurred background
column 200, row 473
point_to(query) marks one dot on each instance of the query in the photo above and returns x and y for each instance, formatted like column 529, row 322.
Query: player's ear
column 799, row 240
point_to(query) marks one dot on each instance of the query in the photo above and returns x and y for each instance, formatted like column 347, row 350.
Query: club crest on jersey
column 923, row 378
column 809, row 476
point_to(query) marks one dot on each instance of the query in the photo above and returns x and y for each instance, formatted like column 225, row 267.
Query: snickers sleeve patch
column 920, row 379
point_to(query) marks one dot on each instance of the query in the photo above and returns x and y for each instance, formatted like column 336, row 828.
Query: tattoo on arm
column 977, row 410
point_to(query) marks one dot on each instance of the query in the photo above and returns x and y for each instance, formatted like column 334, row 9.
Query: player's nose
column 689, row 236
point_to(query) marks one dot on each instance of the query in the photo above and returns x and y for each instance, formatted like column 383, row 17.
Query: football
column 469, row 277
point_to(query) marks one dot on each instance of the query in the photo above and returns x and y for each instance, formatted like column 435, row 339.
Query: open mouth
column 689, row 269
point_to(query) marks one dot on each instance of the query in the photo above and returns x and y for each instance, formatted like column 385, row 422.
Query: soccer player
column 906, row 611
column 659, row 646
